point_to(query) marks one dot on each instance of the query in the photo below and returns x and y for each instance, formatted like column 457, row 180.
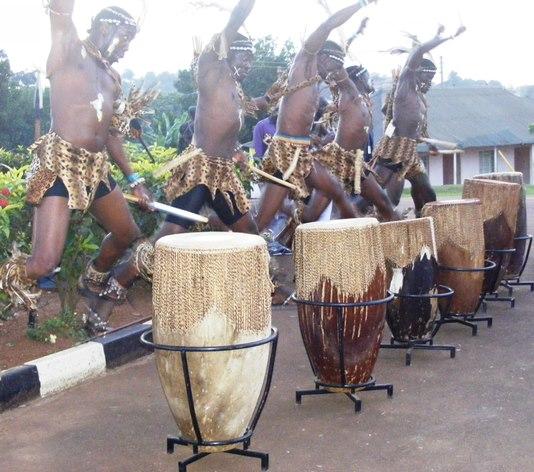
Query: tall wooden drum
column 412, row 269
column 459, row 230
column 212, row 289
column 341, row 261
column 500, row 203
column 520, row 245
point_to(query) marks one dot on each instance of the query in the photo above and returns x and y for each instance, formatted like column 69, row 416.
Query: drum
column 340, row 261
column 212, row 289
column 517, row 258
column 500, row 203
column 459, row 230
column 412, row 269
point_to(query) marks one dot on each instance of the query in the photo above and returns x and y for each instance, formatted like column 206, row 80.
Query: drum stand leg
column 182, row 465
column 510, row 284
column 427, row 345
column 467, row 320
column 368, row 387
column 495, row 297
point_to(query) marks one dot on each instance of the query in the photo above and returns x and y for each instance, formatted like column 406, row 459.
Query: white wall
column 435, row 169
column 470, row 161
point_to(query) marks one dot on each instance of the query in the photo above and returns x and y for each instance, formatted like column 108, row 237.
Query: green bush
column 65, row 325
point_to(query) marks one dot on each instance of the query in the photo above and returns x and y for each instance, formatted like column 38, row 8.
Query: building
column 485, row 122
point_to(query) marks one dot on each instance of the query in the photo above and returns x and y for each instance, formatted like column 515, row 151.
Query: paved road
column 474, row 413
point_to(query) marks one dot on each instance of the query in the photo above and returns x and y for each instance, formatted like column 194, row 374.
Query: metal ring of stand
column 245, row 440
column 322, row 388
column 516, row 281
column 493, row 296
column 469, row 319
column 428, row 343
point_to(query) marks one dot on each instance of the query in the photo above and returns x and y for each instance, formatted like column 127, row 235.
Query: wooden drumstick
column 274, row 179
column 169, row 209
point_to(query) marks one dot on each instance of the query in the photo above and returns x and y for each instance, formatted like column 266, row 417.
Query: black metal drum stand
column 444, row 293
column 502, row 257
column 245, row 440
column 349, row 390
column 470, row 319
column 516, row 281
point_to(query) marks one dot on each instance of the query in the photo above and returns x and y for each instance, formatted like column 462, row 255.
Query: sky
column 496, row 45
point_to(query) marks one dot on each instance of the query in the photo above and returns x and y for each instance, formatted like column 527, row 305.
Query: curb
column 65, row 369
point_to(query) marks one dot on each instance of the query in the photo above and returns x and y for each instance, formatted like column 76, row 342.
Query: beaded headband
column 242, row 45
column 120, row 19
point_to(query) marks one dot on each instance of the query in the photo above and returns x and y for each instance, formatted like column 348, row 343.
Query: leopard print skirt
column 216, row 173
column 80, row 171
column 347, row 166
column 291, row 158
column 399, row 150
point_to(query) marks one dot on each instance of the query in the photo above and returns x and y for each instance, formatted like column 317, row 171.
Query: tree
column 17, row 112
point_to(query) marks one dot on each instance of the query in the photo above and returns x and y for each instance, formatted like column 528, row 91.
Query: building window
column 486, row 162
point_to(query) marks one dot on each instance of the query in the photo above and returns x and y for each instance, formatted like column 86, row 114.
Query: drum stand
column 470, row 319
column 428, row 343
column 200, row 443
column 349, row 390
column 502, row 256
column 516, row 281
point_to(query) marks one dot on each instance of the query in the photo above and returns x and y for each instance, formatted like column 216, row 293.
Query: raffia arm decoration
column 135, row 106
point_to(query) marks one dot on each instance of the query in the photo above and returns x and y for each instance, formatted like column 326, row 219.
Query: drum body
column 212, row 289
column 516, row 259
column 340, row 261
column 412, row 269
column 459, row 231
column 500, row 203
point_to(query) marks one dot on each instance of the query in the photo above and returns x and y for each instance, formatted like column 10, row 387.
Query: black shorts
column 195, row 199
column 59, row 189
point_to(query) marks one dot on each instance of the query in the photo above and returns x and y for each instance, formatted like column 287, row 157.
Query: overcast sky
column 497, row 44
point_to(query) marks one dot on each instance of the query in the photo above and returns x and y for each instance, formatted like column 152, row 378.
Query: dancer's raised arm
column 316, row 40
column 416, row 56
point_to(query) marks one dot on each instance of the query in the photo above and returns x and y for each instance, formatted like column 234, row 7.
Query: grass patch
column 65, row 325
column 449, row 191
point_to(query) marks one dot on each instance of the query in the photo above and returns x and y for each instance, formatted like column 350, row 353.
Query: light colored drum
column 412, row 269
column 459, row 231
column 212, row 289
column 340, row 261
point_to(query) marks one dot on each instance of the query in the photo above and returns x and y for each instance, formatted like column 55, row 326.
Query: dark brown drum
column 500, row 203
column 340, row 261
column 412, row 269
column 516, row 259
column 459, row 230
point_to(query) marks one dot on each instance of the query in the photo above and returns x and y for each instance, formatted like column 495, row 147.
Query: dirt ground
column 16, row 348
column 474, row 413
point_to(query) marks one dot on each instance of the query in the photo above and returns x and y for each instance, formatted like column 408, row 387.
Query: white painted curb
column 65, row 369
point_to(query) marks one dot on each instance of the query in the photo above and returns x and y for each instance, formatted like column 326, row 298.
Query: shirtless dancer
column 396, row 154
column 70, row 168
column 205, row 172
column 288, row 155
column 344, row 156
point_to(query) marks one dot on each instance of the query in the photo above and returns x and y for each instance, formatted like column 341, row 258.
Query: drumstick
column 169, row 209
column 437, row 142
column 503, row 157
column 271, row 177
